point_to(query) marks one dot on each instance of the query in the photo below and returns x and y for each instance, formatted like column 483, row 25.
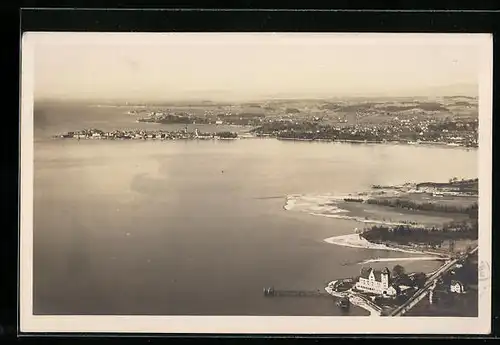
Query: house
column 457, row 287
column 393, row 290
column 376, row 282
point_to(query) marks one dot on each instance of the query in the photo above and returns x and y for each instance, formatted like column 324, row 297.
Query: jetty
column 271, row 292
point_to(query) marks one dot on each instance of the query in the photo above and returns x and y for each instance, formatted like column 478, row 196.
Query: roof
column 402, row 280
column 397, row 288
column 365, row 273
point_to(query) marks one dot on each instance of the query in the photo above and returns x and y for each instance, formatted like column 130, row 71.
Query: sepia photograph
column 255, row 183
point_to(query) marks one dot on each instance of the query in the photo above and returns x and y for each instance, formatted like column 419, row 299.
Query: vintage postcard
column 256, row 183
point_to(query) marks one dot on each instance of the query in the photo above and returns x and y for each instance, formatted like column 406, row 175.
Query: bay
column 198, row 227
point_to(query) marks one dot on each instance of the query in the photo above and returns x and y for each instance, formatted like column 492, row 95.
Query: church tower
column 384, row 277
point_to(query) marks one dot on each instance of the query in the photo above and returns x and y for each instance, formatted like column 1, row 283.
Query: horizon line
column 248, row 100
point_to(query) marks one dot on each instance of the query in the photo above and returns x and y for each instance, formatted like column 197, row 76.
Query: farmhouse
column 457, row 287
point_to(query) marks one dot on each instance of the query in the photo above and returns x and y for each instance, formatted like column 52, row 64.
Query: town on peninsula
column 451, row 121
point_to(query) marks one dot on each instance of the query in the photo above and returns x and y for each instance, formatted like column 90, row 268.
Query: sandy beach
column 419, row 258
column 356, row 241
column 334, row 206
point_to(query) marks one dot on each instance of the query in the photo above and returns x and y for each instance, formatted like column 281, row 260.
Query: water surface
column 198, row 227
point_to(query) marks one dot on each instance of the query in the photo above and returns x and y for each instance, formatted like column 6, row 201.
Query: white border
column 30, row 323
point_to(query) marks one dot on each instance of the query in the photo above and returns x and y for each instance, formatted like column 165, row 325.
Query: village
column 417, row 133
column 382, row 292
column 146, row 135
column 413, row 131
column 449, row 121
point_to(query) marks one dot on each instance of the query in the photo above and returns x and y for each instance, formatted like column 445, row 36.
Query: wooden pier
column 271, row 292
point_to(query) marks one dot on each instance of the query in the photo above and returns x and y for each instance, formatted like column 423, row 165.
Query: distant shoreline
column 247, row 136
column 396, row 142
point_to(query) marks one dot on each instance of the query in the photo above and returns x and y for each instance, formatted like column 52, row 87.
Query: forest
column 471, row 211
column 433, row 236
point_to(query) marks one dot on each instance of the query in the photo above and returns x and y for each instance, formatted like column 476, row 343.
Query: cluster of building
column 424, row 132
column 408, row 121
column 377, row 282
column 145, row 134
column 381, row 291
column 456, row 131
column 380, row 283
column 416, row 130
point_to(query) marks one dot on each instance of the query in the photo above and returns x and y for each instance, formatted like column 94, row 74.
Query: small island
column 140, row 134
column 186, row 117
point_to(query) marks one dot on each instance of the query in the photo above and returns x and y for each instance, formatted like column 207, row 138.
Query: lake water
column 198, row 227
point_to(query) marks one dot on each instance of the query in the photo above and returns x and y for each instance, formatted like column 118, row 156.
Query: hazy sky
column 246, row 66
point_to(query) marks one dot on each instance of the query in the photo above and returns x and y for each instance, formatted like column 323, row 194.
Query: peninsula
column 428, row 217
column 451, row 121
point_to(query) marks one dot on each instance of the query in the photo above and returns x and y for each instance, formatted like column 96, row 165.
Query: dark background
column 448, row 16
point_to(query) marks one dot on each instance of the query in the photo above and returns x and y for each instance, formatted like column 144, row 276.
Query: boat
column 268, row 291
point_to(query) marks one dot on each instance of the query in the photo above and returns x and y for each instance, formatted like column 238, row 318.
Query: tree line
column 471, row 210
column 405, row 234
column 226, row 134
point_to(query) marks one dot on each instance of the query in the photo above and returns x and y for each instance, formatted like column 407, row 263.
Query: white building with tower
column 376, row 282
